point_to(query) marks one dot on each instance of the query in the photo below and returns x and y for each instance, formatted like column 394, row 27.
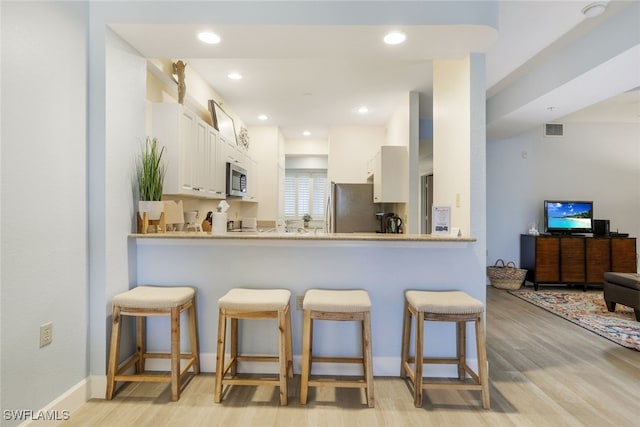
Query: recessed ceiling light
column 395, row 37
column 363, row 110
column 234, row 75
column 262, row 117
column 306, row 133
column 594, row 9
column 209, row 37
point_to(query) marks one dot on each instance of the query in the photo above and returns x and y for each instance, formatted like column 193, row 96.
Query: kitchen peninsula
column 312, row 235
column 385, row 265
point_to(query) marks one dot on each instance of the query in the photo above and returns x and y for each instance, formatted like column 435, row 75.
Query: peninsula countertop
column 310, row 235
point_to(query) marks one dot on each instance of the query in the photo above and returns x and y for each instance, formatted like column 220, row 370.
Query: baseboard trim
column 62, row 408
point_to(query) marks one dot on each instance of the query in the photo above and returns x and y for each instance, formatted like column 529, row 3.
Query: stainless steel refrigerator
column 350, row 209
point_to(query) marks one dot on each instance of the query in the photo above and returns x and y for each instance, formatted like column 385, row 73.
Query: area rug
column 588, row 310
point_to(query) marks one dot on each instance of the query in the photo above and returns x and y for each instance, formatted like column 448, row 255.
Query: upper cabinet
column 235, row 155
column 232, row 153
column 252, row 181
column 390, row 168
column 195, row 166
column 217, row 183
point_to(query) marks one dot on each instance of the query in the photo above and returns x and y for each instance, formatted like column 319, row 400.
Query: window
column 305, row 192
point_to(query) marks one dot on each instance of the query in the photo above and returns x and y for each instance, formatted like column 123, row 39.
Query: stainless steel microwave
column 236, row 180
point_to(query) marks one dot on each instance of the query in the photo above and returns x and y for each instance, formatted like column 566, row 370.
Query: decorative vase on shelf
column 153, row 208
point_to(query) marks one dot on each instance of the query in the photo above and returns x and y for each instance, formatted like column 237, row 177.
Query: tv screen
column 563, row 216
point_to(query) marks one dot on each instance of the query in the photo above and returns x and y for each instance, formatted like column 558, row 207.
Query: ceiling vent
column 553, row 129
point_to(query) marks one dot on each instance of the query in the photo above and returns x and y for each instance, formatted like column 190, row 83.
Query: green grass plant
column 151, row 171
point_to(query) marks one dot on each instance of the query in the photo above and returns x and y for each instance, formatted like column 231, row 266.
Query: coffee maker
column 389, row 222
column 383, row 219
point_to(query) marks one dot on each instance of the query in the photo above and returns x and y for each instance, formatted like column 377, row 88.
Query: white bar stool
column 444, row 306
column 342, row 305
column 142, row 302
column 254, row 304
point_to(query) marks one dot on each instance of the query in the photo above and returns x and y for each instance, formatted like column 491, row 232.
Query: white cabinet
column 371, row 165
column 192, row 154
column 233, row 154
column 217, row 169
column 252, row 179
column 391, row 175
column 199, row 159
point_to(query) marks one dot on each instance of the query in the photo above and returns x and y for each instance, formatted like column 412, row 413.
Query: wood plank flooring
column 544, row 371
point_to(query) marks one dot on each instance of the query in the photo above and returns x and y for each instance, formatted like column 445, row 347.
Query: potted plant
column 306, row 218
column 151, row 171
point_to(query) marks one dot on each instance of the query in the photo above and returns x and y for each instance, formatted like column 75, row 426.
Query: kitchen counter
column 311, row 235
column 385, row 265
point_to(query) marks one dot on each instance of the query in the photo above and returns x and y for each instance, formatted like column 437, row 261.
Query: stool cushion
column 444, row 302
column 340, row 301
column 255, row 299
column 154, row 297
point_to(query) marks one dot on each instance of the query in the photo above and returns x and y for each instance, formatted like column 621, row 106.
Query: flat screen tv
column 568, row 216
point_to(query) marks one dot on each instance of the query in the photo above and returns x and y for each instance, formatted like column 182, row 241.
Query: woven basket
column 506, row 276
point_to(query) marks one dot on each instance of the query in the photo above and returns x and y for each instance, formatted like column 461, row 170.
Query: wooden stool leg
column 406, row 338
column 114, row 352
column 483, row 368
column 282, row 355
column 368, row 358
column 306, row 357
column 234, row 347
column 461, row 348
column 193, row 331
column 289, row 344
column 417, row 377
column 141, row 345
column 222, row 335
column 310, row 345
column 175, row 354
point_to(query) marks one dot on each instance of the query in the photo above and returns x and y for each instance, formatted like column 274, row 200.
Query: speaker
column 600, row 227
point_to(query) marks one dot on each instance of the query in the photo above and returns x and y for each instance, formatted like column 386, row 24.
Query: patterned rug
column 588, row 310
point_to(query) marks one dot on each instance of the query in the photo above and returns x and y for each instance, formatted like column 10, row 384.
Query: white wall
column 125, row 122
column 264, row 149
column 398, row 125
column 350, row 147
column 303, row 147
column 44, row 201
column 593, row 161
column 451, row 139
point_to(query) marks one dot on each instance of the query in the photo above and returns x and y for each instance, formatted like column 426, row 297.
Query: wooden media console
column 578, row 260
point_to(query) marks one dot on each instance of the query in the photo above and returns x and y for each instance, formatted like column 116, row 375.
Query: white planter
column 153, row 208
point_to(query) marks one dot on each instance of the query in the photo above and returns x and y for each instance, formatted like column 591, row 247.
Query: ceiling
column 308, row 78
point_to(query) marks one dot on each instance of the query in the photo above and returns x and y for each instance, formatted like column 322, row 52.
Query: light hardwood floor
column 544, row 371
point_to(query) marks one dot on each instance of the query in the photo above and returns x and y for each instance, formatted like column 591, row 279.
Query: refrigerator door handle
column 327, row 216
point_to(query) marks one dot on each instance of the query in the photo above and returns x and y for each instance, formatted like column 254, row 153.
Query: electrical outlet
column 46, row 334
column 299, row 299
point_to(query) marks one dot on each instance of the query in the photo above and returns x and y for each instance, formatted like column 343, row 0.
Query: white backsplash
column 237, row 208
